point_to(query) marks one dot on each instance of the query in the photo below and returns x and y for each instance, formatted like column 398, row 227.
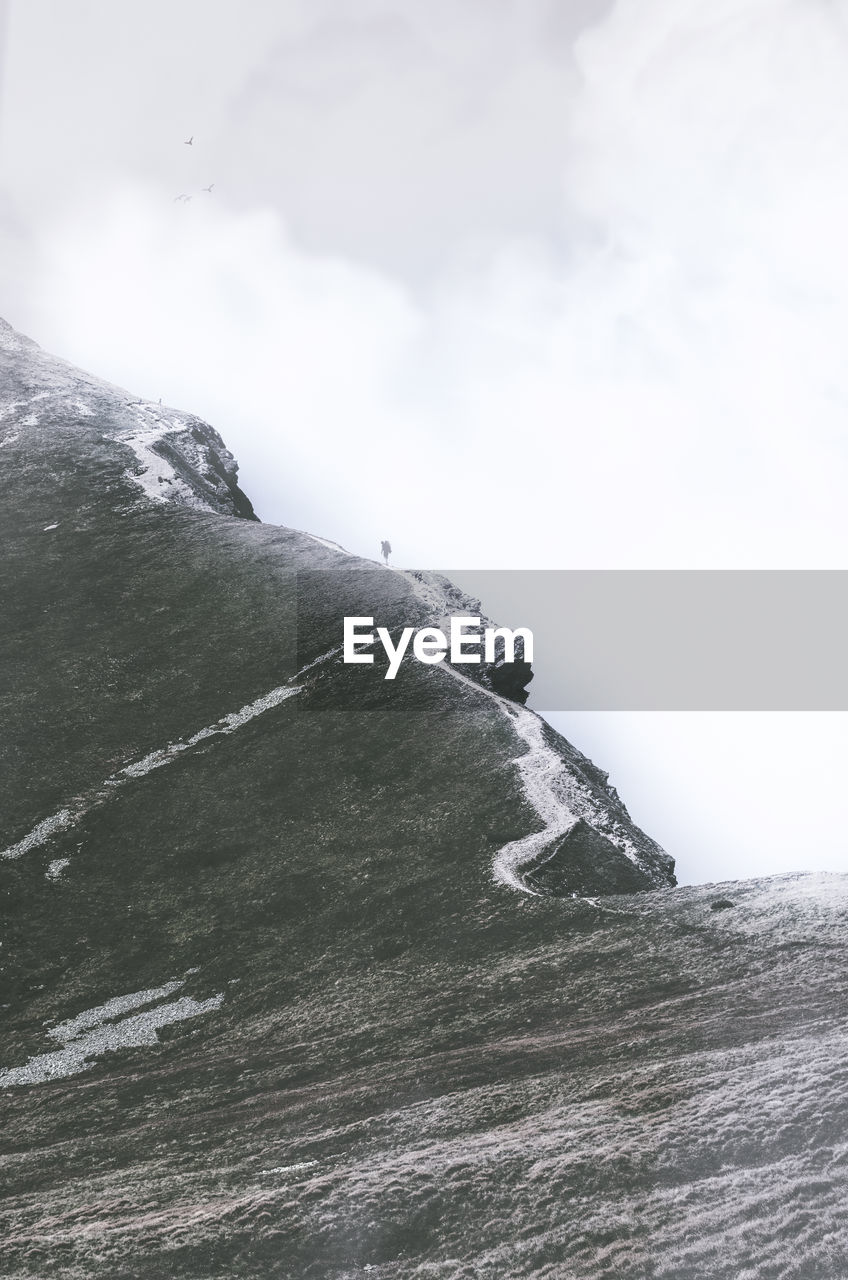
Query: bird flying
column 189, row 141
column 209, row 188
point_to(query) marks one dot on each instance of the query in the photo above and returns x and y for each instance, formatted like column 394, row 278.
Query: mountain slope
column 295, row 982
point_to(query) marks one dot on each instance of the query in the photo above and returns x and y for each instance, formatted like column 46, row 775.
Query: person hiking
column 385, row 550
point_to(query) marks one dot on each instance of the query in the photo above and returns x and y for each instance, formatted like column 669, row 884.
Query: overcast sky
column 514, row 283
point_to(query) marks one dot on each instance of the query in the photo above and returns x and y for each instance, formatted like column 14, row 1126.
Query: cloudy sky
column 514, row 283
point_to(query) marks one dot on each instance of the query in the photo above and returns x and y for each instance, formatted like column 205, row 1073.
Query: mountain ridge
column 202, row 480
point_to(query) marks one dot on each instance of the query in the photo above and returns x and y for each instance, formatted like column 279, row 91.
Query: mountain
column 147, row 604
column 307, row 972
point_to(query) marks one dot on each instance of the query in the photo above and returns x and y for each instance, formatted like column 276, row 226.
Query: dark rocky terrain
column 309, row 973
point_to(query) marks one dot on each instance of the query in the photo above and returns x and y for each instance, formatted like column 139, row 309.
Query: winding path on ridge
column 558, row 797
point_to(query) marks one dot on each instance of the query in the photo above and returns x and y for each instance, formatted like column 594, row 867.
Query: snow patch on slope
column 68, row 817
column 41, row 834
column 106, row 1028
column 7, row 409
column 291, row 1168
column 157, row 478
column 227, row 724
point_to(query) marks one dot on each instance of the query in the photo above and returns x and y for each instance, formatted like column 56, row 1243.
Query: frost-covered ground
column 656, row 1088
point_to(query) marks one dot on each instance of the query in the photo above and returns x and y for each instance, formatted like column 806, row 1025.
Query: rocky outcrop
column 581, row 863
column 170, row 456
column 199, row 457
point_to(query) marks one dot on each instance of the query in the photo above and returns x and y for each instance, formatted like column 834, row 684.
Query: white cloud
column 504, row 298
column 660, row 384
column 728, row 794
column 292, row 357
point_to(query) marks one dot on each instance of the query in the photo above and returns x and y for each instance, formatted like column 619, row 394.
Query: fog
column 514, row 283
